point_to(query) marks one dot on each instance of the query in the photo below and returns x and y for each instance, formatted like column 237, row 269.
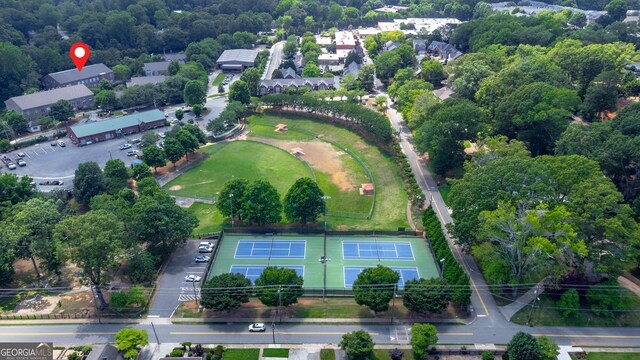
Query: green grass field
column 391, row 197
column 241, row 354
column 313, row 269
column 613, row 356
column 219, row 78
column 239, row 159
column 210, row 218
column 279, row 353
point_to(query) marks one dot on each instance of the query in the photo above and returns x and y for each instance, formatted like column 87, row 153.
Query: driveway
column 172, row 288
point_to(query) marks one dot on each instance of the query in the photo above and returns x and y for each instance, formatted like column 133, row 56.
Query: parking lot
column 172, row 287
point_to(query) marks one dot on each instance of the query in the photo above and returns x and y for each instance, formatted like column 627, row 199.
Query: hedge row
column 453, row 273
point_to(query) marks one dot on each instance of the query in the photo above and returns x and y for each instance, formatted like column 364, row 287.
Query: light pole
column 279, row 303
column 535, row 293
column 442, row 267
column 324, row 251
column 231, row 199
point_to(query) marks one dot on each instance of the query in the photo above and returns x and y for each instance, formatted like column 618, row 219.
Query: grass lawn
column 327, row 354
column 218, row 80
column 612, row 356
column 209, row 216
column 544, row 314
column 279, row 353
column 241, row 354
column 391, row 197
column 238, row 159
column 383, row 354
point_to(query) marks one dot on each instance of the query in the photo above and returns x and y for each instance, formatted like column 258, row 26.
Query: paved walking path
column 527, row 298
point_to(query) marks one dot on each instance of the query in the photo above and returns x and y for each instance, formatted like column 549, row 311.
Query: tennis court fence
column 319, row 231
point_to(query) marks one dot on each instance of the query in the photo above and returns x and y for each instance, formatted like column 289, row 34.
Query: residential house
column 353, row 68
column 446, row 52
column 420, row 46
column 156, row 68
column 390, row 45
column 104, row 352
column 280, row 85
column 289, row 73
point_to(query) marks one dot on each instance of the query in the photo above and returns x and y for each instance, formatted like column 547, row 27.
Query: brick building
column 115, row 127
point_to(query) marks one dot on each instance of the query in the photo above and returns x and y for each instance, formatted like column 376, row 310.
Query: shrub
column 218, row 350
column 176, row 352
column 73, row 356
column 569, row 302
column 487, row 356
column 396, row 354
column 86, row 349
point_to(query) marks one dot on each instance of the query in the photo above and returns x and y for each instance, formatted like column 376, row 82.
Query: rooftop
column 71, row 75
column 117, row 123
column 156, row 66
column 242, row 55
column 49, row 97
column 345, row 38
column 144, row 80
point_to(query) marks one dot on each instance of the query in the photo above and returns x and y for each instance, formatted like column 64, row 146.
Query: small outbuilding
column 367, row 189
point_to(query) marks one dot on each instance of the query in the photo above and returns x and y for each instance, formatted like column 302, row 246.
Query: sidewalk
column 509, row 310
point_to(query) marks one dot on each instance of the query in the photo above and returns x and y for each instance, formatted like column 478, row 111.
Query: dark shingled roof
column 72, row 75
column 49, row 97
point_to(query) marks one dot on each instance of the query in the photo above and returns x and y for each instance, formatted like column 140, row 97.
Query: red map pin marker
column 79, row 53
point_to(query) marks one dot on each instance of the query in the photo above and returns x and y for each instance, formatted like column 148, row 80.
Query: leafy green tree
column 606, row 298
column 7, row 254
column 523, row 346
column 366, row 77
column 130, row 341
column 433, row 72
column 468, row 76
column 578, row 19
column 95, row 239
column 179, row 114
column 303, row 202
column 61, row 110
column 149, row 138
column 375, row 287
column 569, row 303
column 197, row 110
column 602, row 95
column 148, row 186
column 239, row 91
column 426, row 295
column 17, row 71
column 423, row 336
column 142, row 266
column 548, row 348
column 14, row 190
column 106, row 100
column 5, row 145
column 232, row 199
column 311, row 70
column 252, row 77
column 617, row 9
column 194, row 92
column 32, row 229
column 157, row 220
column 225, row 292
column 262, row 203
column 387, row 64
column 279, row 286
column 357, row 344
column 141, row 171
column 196, row 132
column 16, row 121
column 189, row 142
column 121, row 72
column 174, row 67
column 88, row 182
column 173, row 150
column 153, row 156
column 115, row 175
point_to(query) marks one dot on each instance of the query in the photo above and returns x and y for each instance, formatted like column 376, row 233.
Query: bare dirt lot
column 322, row 156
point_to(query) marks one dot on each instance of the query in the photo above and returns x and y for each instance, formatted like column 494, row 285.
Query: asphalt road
column 311, row 334
column 275, row 59
column 172, row 288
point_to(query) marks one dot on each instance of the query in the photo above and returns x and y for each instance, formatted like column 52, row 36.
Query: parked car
column 20, row 154
column 62, row 144
column 132, row 152
column 192, row 278
column 137, row 141
column 125, row 146
column 205, row 249
column 11, row 166
column 55, row 143
column 202, row 259
column 162, row 135
column 257, row 327
column 22, row 162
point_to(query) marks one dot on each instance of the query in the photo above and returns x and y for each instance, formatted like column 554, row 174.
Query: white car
column 192, row 278
column 22, row 162
column 205, row 249
column 125, row 146
column 257, row 327
column 162, row 135
column 11, row 166
column 202, row 259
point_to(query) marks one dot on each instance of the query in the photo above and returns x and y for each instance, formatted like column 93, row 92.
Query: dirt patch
column 175, row 187
column 322, row 156
column 44, row 306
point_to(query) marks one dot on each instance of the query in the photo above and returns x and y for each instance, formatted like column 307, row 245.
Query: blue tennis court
column 406, row 273
column 265, row 249
column 367, row 250
column 252, row 272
